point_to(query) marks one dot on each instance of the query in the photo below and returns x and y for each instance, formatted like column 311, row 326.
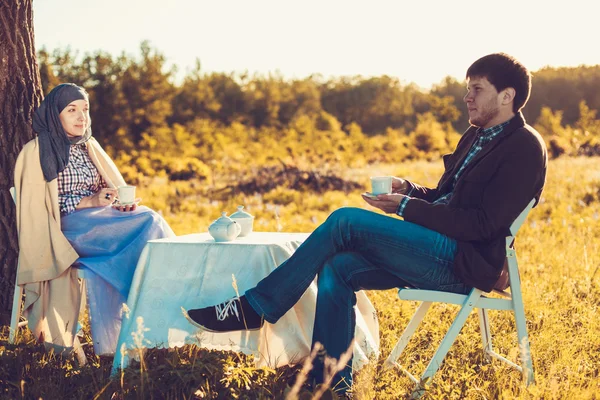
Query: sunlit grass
column 558, row 252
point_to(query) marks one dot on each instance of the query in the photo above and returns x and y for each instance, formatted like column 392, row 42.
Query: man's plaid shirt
column 484, row 137
column 78, row 180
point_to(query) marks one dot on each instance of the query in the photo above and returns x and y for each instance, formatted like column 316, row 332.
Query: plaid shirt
column 78, row 180
column 484, row 136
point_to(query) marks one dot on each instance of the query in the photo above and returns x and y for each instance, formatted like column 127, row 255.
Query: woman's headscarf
column 54, row 142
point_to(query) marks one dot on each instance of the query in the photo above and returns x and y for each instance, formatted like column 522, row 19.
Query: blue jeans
column 354, row 249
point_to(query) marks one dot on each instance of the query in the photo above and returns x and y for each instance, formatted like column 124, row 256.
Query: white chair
column 15, row 319
column 511, row 301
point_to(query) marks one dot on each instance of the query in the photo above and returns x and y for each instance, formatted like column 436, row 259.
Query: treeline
column 154, row 126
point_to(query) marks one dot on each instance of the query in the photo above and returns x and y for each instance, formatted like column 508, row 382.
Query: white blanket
column 193, row 271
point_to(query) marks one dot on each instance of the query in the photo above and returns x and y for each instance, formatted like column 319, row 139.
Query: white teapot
column 224, row 229
column 244, row 219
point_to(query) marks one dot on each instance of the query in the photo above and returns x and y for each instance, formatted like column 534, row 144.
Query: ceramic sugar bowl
column 245, row 220
column 224, row 229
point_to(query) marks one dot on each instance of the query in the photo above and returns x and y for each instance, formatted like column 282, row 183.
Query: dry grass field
column 558, row 249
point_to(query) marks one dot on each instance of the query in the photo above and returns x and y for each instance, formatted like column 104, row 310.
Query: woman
column 68, row 216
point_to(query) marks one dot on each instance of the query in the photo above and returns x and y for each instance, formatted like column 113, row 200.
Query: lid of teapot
column 240, row 213
column 223, row 220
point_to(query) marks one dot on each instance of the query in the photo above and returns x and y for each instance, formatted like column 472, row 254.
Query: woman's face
column 75, row 118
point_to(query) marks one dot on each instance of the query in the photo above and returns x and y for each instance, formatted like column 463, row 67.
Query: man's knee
column 344, row 215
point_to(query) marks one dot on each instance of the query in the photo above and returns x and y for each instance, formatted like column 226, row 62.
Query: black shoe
column 230, row 316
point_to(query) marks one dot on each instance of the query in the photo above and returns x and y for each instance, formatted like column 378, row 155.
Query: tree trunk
column 20, row 95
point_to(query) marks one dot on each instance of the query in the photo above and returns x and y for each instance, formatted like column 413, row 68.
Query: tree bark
column 20, row 95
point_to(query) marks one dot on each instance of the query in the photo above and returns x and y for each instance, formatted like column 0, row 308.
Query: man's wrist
column 402, row 206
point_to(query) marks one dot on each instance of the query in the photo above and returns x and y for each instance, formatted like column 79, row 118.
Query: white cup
column 126, row 194
column 381, row 185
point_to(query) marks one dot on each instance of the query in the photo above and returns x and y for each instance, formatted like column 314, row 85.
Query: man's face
column 483, row 102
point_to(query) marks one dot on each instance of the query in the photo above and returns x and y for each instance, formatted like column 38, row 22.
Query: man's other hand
column 399, row 185
column 385, row 202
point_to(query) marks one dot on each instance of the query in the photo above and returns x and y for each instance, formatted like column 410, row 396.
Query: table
column 194, row 271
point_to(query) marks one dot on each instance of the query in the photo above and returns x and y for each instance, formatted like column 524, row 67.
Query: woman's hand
column 104, row 197
column 127, row 207
column 385, row 202
column 399, row 185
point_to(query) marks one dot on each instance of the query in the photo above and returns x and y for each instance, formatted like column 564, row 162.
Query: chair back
column 514, row 281
column 13, row 193
column 521, row 218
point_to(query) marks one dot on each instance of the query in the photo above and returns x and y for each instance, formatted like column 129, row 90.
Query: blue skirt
column 109, row 244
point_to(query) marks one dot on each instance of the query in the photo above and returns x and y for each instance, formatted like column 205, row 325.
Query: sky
column 420, row 41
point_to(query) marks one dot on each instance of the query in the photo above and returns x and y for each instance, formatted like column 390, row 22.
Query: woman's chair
column 15, row 319
column 510, row 301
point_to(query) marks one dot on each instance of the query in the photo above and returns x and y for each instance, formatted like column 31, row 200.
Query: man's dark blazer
column 490, row 193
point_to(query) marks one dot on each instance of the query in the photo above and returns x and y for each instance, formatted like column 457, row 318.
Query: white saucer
column 118, row 203
column 370, row 195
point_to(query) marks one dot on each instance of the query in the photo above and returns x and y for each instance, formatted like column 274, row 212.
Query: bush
column 183, row 169
column 430, row 136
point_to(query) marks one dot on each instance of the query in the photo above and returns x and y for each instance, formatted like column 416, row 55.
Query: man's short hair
column 504, row 71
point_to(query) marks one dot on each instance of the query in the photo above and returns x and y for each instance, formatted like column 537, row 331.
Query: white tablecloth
column 193, row 271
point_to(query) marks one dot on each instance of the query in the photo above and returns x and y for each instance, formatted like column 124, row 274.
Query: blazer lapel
column 446, row 182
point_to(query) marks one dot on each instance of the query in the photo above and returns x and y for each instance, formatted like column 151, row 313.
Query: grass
column 559, row 258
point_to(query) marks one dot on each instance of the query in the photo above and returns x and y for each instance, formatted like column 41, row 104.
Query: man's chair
column 510, row 301
column 15, row 319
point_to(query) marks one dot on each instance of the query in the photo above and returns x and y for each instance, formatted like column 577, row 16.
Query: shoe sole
column 197, row 325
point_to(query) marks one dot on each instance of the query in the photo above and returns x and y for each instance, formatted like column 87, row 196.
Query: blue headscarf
column 54, row 142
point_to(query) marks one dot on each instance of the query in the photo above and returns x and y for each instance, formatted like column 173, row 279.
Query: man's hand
column 399, row 185
column 385, row 202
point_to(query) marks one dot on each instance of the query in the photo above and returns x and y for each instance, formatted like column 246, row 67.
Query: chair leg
column 519, row 311
column 79, row 353
column 450, row 337
column 523, row 339
column 525, row 350
column 83, row 304
column 407, row 334
column 77, row 347
column 486, row 335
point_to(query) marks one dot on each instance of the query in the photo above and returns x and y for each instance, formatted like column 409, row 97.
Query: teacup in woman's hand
column 126, row 194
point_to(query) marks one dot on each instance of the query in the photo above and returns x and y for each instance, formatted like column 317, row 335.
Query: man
column 451, row 238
